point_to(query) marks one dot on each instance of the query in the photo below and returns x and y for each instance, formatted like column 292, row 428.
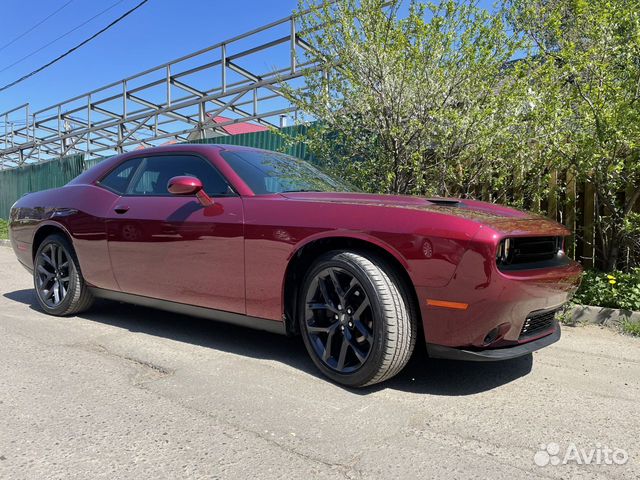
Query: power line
column 60, row 37
column 34, row 27
column 68, row 52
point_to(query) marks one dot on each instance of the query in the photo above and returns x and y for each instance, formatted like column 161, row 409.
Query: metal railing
column 239, row 79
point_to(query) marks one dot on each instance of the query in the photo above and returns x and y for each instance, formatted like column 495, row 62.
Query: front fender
column 346, row 234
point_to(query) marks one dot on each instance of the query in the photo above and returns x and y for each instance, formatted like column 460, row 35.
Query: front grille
column 529, row 252
column 534, row 249
column 536, row 323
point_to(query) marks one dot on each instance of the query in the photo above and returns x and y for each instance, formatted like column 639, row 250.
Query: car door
column 172, row 247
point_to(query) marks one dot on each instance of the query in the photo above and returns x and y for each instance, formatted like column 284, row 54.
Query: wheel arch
column 43, row 231
column 302, row 258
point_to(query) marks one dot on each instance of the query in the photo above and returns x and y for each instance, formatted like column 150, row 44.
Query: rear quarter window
column 118, row 179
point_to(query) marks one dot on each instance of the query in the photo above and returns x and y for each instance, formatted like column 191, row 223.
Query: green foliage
column 433, row 101
column 4, row 229
column 586, row 77
column 631, row 328
column 614, row 290
column 419, row 103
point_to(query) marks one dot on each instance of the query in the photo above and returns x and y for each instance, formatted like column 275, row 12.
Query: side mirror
column 184, row 185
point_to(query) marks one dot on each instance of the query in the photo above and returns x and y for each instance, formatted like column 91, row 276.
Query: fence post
column 552, row 209
column 587, row 227
column 570, row 216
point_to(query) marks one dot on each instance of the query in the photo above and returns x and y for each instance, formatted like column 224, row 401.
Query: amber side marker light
column 445, row 304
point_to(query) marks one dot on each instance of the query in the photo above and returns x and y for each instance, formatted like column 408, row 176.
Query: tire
column 356, row 298
column 60, row 288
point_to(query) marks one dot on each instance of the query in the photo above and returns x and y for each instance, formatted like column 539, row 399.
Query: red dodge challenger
column 261, row 239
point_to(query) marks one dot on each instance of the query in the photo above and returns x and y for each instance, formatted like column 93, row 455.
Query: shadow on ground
column 421, row 375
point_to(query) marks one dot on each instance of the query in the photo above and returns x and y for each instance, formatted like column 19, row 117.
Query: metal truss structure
column 239, row 79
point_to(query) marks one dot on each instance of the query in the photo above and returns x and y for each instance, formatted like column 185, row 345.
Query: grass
column 631, row 328
column 4, row 232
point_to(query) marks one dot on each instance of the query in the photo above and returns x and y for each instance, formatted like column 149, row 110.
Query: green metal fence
column 267, row 140
column 16, row 182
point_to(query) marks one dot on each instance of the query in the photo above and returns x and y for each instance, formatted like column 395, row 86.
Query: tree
column 423, row 102
column 449, row 99
column 587, row 78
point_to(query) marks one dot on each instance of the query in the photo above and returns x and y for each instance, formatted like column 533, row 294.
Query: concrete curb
column 5, row 243
column 608, row 317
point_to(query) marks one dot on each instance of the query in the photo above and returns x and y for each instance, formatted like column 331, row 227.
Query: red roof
column 238, row 128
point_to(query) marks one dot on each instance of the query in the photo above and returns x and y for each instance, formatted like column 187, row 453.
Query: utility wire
column 34, row 27
column 60, row 37
column 68, row 52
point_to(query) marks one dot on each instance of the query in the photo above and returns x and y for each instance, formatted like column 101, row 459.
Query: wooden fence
column 573, row 203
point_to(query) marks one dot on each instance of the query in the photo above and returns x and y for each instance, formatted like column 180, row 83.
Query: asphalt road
column 129, row 392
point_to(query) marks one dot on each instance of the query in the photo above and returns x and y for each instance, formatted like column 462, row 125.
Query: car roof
column 103, row 167
column 194, row 147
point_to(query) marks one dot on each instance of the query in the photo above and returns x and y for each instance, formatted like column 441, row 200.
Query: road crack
column 146, row 371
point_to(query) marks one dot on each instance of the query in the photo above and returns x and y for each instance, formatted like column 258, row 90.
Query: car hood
column 505, row 220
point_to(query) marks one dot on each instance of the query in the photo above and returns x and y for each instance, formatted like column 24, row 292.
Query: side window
column 156, row 172
column 119, row 178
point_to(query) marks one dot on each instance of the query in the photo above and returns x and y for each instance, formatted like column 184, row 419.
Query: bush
column 614, row 290
column 4, row 232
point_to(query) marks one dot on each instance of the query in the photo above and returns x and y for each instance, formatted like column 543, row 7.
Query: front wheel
column 356, row 318
column 60, row 288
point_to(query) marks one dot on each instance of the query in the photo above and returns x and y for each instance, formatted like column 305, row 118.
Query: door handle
column 120, row 209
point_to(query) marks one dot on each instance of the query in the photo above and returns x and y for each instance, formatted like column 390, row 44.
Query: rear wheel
column 356, row 318
column 60, row 288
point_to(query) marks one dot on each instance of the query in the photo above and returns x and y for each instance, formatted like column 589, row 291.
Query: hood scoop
column 445, row 202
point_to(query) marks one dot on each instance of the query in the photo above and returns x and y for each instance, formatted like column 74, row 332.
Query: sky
column 159, row 31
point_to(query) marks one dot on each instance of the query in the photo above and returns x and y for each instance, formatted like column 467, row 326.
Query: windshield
column 271, row 172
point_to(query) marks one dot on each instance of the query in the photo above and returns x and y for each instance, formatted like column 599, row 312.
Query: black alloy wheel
column 60, row 288
column 52, row 274
column 339, row 320
column 357, row 320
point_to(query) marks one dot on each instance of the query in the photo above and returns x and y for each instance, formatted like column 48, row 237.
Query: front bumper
column 495, row 300
column 495, row 354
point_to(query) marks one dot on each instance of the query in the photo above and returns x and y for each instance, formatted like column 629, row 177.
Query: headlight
column 504, row 250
